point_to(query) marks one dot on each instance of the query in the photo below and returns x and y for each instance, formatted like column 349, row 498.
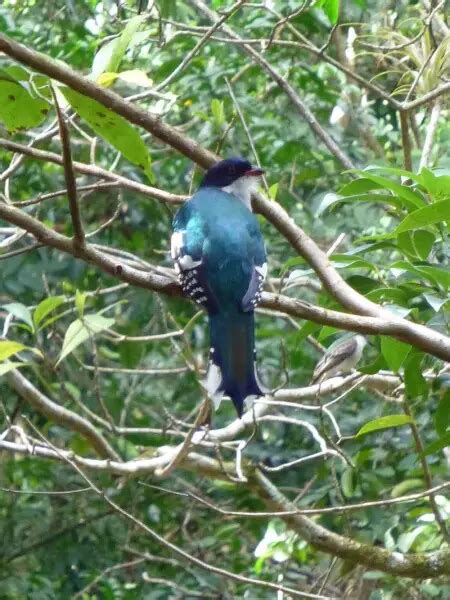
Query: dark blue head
column 226, row 172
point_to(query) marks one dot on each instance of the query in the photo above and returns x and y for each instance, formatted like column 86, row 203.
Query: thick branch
column 58, row 414
column 427, row 98
column 420, row 336
column 417, row 566
column 385, row 323
column 429, row 138
column 85, row 169
column 138, row 116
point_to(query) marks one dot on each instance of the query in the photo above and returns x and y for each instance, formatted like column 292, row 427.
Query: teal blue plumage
column 219, row 251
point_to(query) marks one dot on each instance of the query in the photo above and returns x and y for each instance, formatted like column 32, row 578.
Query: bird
column 220, row 258
column 340, row 357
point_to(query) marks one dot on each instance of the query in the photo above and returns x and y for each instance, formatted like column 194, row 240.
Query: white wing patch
column 262, row 270
column 213, row 383
column 253, row 296
column 183, row 262
column 186, row 262
column 176, row 244
column 186, row 268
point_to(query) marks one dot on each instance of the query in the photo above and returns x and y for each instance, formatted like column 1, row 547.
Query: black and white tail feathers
column 232, row 368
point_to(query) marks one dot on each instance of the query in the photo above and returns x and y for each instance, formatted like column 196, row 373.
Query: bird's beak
column 254, row 172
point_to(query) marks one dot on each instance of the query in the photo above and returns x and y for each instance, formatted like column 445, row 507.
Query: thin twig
column 93, row 170
column 280, row 24
column 246, row 129
column 169, row 545
column 284, row 85
column 426, row 471
column 183, row 450
column 78, row 232
column 190, row 55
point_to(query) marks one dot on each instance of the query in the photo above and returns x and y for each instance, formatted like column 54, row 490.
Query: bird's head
column 236, row 176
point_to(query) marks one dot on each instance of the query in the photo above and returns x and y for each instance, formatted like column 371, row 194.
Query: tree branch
column 283, row 84
column 138, row 116
column 26, row 390
column 383, row 323
column 78, row 232
column 85, row 169
column 429, row 137
column 421, row 336
column 417, row 566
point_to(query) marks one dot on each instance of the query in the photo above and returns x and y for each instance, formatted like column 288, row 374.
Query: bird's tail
column 232, row 369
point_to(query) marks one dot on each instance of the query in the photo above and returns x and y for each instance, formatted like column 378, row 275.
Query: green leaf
column 101, row 61
column 423, row 241
column 122, row 42
column 347, row 482
column 113, row 128
column 415, row 383
column 327, row 331
column 134, row 76
column 18, row 108
column 10, row 366
column 438, row 444
column 330, row 8
column 435, row 302
column 45, row 307
column 390, row 294
column 437, row 186
column 273, row 190
column 308, row 328
column 428, row 215
column 372, row 368
column 9, row 348
column 81, row 330
column 439, row 274
column 395, row 171
column 359, row 186
column 411, row 199
column 371, row 197
column 291, row 262
column 20, row 311
column 218, row 112
column 107, row 79
column 417, row 243
column 80, row 301
column 394, row 352
column 110, row 55
column 407, row 539
column 384, row 423
column 351, row 261
column 442, row 415
column 405, row 486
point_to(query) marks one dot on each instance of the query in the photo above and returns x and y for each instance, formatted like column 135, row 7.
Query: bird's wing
column 333, row 357
column 252, row 296
column 186, row 248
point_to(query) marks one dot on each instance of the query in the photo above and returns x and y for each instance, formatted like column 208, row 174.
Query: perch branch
column 384, row 322
column 26, row 390
column 301, row 242
column 417, row 566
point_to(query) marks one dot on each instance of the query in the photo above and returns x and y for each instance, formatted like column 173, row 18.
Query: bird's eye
column 232, row 170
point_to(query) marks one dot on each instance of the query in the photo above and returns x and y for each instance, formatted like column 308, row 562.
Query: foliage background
column 58, row 546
